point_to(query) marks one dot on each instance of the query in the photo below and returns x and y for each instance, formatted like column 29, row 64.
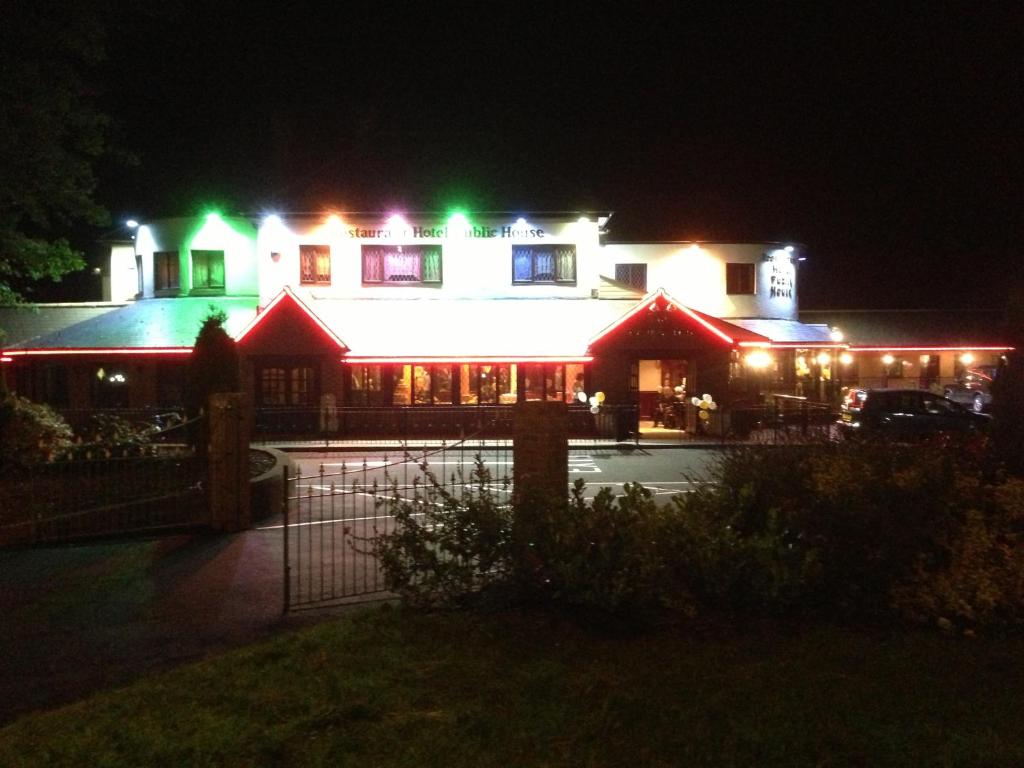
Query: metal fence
column 439, row 422
column 102, row 495
column 333, row 517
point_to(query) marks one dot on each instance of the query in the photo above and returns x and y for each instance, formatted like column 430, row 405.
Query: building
column 335, row 313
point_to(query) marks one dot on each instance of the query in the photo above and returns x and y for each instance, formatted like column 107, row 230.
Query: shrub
column 30, row 433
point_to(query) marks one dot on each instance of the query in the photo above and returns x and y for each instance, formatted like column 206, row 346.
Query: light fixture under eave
column 836, row 335
column 846, row 358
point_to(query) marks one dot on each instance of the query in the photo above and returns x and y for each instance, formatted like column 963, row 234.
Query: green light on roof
column 213, row 216
column 457, row 219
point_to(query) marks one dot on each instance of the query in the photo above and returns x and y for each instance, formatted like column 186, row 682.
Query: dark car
column 905, row 413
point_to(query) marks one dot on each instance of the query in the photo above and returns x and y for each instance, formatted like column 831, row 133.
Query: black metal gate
column 333, row 516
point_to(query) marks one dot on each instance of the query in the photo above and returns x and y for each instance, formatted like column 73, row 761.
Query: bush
column 30, row 433
column 604, row 554
column 852, row 531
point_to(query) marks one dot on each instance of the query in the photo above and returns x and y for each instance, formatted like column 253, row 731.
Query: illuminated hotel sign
column 443, row 232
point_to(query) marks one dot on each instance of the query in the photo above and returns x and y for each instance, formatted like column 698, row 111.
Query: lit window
column 208, row 271
column 544, row 264
column 286, row 385
column 547, row 382
column 487, row 384
column 739, row 279
column 365, row 385
column 401, row 264
column 314, row 265
column 165, row 271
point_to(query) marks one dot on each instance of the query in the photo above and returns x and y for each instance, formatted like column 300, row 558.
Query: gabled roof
column 285, row 300
column 722, row 331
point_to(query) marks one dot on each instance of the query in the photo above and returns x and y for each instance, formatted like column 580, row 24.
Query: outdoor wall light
column 131, row 224
column 758, row 359
column 836, row 335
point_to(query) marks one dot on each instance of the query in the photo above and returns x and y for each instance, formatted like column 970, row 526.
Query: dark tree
column 51, row 136
column 214, row 364
column 1008, row 391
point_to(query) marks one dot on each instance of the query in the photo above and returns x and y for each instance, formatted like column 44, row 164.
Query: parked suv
column 973, row 389
column 905, row 413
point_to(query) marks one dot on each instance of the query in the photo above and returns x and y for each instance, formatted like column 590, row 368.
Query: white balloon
column 581, row 396
column 594, row 409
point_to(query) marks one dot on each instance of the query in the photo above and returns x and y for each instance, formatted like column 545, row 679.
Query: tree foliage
column 51, row 136
column 214, row 363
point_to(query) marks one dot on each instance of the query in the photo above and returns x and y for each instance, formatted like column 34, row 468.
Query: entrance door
column 658, row 381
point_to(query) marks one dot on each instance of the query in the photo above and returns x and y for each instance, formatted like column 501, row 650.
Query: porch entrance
column 663, row 389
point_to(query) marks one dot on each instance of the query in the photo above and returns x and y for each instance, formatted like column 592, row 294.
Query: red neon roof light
column 99, row 351
column 709, row 323
column 287, row 291
column 357, row 360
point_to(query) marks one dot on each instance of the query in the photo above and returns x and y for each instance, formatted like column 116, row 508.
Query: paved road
column 664, row 471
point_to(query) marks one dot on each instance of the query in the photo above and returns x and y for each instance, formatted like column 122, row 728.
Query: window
column 208, row 271
column 739, row 279
column 423, row 385
column 315, row 264
column 893, row 369
column 633, row 275
column 487, row 384
column 365, row 385
column 544, row 264
column 286, row 385
column 401, row 264
column 548, row 382
column 165, row 271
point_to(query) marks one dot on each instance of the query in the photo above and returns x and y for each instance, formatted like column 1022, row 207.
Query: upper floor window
column 401, row 264
column 165, row 271
column 544, row 264
column 315, row 264
column 208, row 271
column 633, row 275
column 739, row 279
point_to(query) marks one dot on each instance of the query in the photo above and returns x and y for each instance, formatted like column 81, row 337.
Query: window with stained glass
column 315, row 264
column 544, row 264
column 402, row 264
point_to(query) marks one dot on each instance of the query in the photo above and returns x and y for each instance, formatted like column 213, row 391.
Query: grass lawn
column 389, row 687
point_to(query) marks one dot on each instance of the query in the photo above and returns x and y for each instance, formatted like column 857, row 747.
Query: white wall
column 122, row 281
column 694, row 274
column 234, row 235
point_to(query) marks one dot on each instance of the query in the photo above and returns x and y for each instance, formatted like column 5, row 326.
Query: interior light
column 837, row 335
column 925, row 359
column 846, row 358
column 888, row 359
column 824, row 358
column 788, row 249
column 695, row 248
column 967, row 358
column 758, row 359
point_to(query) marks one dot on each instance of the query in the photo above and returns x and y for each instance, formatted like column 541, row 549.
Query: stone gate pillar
column 540, row 450
column 228, row 458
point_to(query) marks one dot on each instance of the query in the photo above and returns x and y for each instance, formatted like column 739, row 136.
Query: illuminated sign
column 477, row 231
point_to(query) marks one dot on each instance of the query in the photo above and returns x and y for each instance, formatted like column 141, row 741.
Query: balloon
column 600, row 397
column 595, row 409
column 704, row 415
column 593, row 401
column 581, row 396
column 703, row 405
column 695, row 400
column 707, row 397
column 713, row 406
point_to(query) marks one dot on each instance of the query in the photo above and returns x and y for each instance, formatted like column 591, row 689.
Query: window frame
column 632, row 268
column 314, row 276
column 739, row 275
column 162, row 263
column 208, row 289
column 419, row 250
column 535, row 251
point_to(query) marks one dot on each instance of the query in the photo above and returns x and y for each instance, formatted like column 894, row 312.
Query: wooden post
column 229, row 461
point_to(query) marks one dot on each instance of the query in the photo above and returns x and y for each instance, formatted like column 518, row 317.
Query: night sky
column 886, row 142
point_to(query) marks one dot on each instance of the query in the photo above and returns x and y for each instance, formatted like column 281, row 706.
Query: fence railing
column 332, row 517
column 440, row 422
column 88, row 497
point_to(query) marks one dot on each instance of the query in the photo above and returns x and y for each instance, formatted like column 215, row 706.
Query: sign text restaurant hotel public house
column 390, row 311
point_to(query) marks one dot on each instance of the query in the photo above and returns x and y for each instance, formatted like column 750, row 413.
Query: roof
column 925, row 328
column 147, row 324
column 22, row 322
column 787, row 331
column 496, row 328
